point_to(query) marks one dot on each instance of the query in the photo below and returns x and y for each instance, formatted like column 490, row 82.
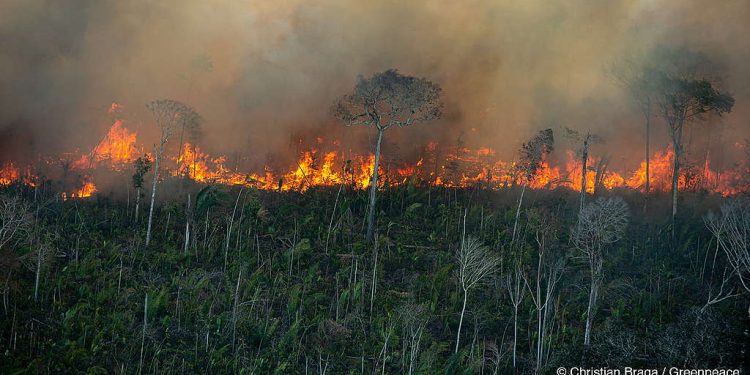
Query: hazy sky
column 507, row 67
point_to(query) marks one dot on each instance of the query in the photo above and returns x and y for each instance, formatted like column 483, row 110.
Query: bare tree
column 15, row 220
column 169, row 115
column 516, row 291
column 414, row 319
column 39, row 257
column 684, row 94
column 542, row 289
column 586, row 141
column 731, row 227
column 385, row 100
column 475, row 262
column 600, row 223
column 532, row 156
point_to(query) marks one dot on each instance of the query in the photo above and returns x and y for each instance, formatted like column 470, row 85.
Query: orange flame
column 452, row 167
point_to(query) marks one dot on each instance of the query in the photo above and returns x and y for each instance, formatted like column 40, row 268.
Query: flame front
column 325, row 165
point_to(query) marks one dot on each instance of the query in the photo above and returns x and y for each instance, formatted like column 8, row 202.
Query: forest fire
column 117, row 147
column 457, row 167
column 85, row 191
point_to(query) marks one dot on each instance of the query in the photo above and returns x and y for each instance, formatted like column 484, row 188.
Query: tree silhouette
column 385, row 100
column 169, row 115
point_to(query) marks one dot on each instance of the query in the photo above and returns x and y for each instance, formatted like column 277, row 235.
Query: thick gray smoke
column 264, row 72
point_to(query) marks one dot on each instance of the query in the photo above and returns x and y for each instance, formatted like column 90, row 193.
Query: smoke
column 264, row 73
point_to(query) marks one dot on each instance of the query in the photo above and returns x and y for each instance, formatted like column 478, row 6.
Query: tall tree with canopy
column 169, row 116
column 385, row 100
column 685, row 92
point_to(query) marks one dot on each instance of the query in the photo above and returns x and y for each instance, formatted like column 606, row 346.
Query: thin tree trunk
column 648, row 150
column 179, row 156
column 229, row 228
column 675, row 180
column 153, row 193
column 137, row 203
column 518, row 213
column 333, row 214
column 593, row 292
column 584, row 161
column 234, row 311
column 39, row 256
column 461, row 322
column 374, row 277
column 143, row 335
column 374, row 189
column 187, row 226
column 515, row 333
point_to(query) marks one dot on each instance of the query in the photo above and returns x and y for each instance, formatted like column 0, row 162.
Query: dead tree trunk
column 374, row 188
column 153, row 192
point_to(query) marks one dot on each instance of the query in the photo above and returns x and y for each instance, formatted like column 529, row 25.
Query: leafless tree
column 414, row 318
column 43, row 251
column 385, row 100
column 542, row 288
column 684, row 93
column 168, row 115
column 600, row 223
column 143, row 333
column 15, row 220
column 725, row 291
column 586, row 141
column 475, row 262
column 516, row 290
column 494, row 355
column 731, row 227
column 532, row 156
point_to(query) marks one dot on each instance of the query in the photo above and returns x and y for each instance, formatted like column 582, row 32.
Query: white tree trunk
column 518, row 213
column 187, row 226
column 374, row 189
column 584, row 161
column 137, row 203
column 593, row 293
column 143, row 335
column 39, row 257
column 153, row 193
column 461, row 322
column 515, row 333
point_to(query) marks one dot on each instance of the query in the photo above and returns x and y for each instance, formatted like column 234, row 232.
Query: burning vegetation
column 328, row 164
